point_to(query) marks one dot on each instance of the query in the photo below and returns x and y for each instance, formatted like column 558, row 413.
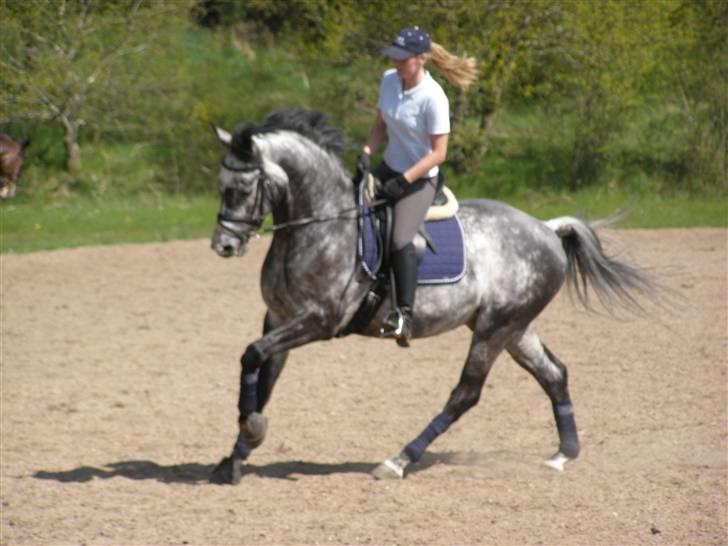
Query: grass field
column 29, row 225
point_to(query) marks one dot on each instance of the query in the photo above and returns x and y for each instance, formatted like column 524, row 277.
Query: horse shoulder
column 6, row 144
column 10, row 149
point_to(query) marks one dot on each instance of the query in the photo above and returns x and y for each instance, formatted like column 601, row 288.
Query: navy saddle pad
column 445, row 266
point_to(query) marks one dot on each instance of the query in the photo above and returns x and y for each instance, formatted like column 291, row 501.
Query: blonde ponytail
column 459, row 71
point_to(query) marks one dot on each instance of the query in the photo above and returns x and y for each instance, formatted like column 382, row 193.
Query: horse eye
column 229, row 197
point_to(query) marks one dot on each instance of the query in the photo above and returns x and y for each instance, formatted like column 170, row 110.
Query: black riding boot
column 398, row 323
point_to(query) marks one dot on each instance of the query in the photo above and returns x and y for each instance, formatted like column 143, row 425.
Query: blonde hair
column 459, row 71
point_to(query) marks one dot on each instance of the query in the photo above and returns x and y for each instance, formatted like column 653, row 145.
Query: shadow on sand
column 192, row 473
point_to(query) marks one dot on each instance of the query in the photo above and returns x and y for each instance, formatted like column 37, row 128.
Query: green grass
column 647, row 211
column 29, row 226
column 81, row 221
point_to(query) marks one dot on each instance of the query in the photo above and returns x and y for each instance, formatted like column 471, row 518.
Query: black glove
column 363, row 165
column 391, row 189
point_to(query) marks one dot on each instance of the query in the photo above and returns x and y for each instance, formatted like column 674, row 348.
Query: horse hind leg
column 532, row 355
column 484, row 349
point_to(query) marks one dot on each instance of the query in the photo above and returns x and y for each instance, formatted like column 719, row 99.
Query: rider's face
column 409, row 69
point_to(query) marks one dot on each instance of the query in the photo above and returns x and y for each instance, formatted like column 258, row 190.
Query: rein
column 300, row 222
column 257, row 220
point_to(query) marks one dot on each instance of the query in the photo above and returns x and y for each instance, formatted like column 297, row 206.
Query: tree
column 505, row 37
column 57, row 58
column 602, row 62
column 695, row 67
column 501, row 34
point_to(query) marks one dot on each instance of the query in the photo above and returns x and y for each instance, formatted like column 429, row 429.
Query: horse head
column 241, row 181
column 288, row 165
column 283, row 166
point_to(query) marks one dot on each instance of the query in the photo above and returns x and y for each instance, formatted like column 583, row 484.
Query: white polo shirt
column 412, row 117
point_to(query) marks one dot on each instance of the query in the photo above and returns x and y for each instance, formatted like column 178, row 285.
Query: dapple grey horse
column 289, row 166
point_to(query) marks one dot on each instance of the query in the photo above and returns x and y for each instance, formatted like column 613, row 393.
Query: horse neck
column 314, row 183
column 7, row 144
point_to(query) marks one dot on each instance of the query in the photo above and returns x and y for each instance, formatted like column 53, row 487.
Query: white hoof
column 392, row 468
column 557, row 462
column 388, row 470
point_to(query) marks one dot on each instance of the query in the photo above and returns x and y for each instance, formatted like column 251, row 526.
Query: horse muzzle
column 227, row 245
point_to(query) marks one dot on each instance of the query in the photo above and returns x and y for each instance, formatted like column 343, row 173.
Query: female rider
column 413, row 113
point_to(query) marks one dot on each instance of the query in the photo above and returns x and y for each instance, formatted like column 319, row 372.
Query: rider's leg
column 404, row 265
column 409, row 214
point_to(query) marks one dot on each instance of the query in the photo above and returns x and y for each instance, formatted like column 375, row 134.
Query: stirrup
column 398, row 326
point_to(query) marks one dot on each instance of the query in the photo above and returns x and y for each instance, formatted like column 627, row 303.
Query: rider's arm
column 435, row 157
column 376, row 135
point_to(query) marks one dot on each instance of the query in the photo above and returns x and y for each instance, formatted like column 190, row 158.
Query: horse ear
column 243, row 145
column 223, row 136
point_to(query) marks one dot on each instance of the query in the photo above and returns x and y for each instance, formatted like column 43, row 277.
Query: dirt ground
column 119, row 388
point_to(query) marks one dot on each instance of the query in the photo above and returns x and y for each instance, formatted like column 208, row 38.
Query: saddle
column 439, row 246
column 444, row 205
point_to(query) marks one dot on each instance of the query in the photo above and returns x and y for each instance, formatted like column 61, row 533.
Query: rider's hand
column 391, row 189
column 363, row 165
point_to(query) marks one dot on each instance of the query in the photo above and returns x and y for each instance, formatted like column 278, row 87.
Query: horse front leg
column 261, row 364
column 7, row 188
column 270, row 370
column 256, row 388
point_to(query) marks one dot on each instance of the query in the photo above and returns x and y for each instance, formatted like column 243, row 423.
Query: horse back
column 510, row 251
column 490, row 222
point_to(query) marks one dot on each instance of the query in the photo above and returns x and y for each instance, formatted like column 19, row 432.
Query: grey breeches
column 410, row 209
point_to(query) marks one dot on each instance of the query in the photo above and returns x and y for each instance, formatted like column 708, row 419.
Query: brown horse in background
column 12, row 157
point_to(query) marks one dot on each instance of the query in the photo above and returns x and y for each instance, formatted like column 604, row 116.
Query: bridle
column 256, row 220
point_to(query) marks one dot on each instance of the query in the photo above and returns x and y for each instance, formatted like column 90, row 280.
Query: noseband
column 256, row 220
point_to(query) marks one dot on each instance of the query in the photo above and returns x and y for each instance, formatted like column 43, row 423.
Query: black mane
column 313, row 125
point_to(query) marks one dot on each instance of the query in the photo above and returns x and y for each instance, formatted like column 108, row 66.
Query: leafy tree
column 58, row 58
column 593, row 63
column 501, row 34
column 505, row 37
column 604, row 55
column 694, row 69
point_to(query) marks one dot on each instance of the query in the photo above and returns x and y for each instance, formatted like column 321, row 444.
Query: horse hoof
column 227, row 472
column 389, row 470
column 557, row 461
column 253, row 429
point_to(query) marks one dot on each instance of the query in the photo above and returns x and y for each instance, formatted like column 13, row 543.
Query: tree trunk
column 70, row 141
column 486, row 126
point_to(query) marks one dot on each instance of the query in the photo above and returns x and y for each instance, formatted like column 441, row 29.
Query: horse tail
column 615, row 283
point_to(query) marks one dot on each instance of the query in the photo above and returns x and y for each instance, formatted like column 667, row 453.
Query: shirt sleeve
column 438, row 114
column 383, row 84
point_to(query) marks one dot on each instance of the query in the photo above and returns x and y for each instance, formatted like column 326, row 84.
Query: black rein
column 257, row 221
